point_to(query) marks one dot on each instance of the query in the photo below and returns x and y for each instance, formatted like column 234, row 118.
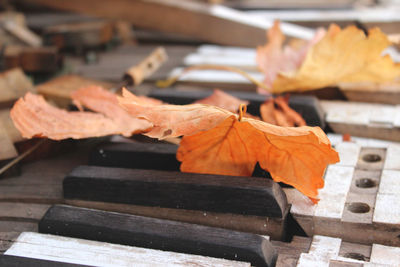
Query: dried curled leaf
column 105, row 102
column 216, row 142
column 173, row 120
column 341, row 56
column 34, row 117
column 277, row 111
column 223, row 100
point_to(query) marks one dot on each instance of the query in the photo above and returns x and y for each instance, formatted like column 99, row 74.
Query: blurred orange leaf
column 340, row 56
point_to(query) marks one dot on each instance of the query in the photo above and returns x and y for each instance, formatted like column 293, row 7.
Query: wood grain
column 204, row 192
column 224, row 25
column 157, row 234
column 71, row 251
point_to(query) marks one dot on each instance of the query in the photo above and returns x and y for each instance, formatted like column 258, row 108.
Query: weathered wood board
column 80, row 252
column 329, row 251
column 360, row 201
column 14, row 84
column 162, row 157
column 363, row 119
column 224, row 25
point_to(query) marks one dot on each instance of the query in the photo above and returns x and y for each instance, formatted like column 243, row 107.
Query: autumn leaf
column 340, row 56
column 223, row 100
column 103, row 101
column 277, row 111
column 217, row 141
column 274, row 58
column 34, row 117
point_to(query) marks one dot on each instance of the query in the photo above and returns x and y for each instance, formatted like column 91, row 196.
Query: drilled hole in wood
column 356, row 256
column 358, row 207
column 371, row 158
column 365, row 183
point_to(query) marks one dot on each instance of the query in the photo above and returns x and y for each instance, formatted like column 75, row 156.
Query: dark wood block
column 157, row 234
column 154, row 156
column 224, row 194
column 307, row 106
column 15, row 261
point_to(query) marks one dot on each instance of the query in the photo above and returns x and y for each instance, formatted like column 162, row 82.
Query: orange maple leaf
column 217, row 141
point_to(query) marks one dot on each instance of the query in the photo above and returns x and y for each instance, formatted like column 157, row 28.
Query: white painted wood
column 221, row 60
column 215, row 76
column 333, row 195
column 372, row 264
column 383, row 115
column 385, row 255
column 80, row 251
column 392, row 161
column 287, row 28
column 326, row 247
column 310, row 260
column 301, row 204
column 396, row 116
column 372, row 14
column 227, row 51
column 359, row 113
column 348, row 153
column 321, row 251
column 361, row 141
column 390, row 182
column 344, row 112
column 387, row 209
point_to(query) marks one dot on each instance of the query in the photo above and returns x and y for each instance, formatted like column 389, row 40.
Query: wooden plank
column 307, row 106
column 8, row 125
column 157, row 234
column 327, row 251
column 11, row 211
column 41, row 181
column 224, row 25
column 33, row 59
column 15, row 261
column 75, row 252
column 8, row 150
column 216, row 193
column 152, row 156
column 362, row 119
column 79, row 35
column 111, row 65
column 14, row 84
column 363, row 211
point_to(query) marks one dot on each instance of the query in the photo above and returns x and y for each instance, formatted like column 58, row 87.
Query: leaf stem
column 168, row 82
column 242, row 111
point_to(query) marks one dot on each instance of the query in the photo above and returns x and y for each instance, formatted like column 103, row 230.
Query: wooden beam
column 39, row 250
column 205, row 192
column 7, row 260
column 14, row 84
column 211, row 23
column 157, row 234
